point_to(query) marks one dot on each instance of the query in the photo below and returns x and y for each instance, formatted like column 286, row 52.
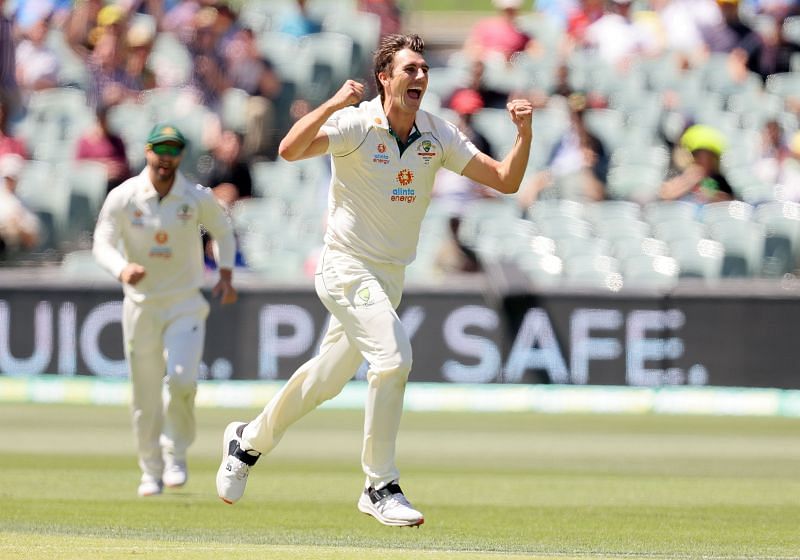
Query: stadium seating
column 82, row 264
column 698, row 258
column 48, row 195
column 87, row 182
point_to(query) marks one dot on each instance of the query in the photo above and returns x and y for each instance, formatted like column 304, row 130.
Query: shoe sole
column 150, row 494
column 227, row 435
column 388, row 522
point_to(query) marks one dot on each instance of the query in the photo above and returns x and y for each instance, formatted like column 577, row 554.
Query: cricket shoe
column 389, row 506
column 149, row 486
column 236, row 463
column 175, row 474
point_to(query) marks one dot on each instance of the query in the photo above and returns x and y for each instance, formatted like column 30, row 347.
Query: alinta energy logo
column 405, row 177
column 160, row 250
column 381, row 156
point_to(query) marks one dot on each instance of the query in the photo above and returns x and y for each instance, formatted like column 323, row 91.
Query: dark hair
column 389, row 46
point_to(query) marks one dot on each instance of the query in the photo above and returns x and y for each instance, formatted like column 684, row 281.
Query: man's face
column 408, row 80
column 163, row 159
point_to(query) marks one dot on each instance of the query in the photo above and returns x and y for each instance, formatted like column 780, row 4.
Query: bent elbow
column 286, row 153
column 506, row 187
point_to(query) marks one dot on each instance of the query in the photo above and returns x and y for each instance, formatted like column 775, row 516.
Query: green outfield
column 491, row 486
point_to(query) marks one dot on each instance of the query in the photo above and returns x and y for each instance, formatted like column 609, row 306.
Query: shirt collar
column 378, row 117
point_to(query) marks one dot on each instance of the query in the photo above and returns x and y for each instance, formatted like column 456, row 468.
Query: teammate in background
column 155, row 218
column 385, row 154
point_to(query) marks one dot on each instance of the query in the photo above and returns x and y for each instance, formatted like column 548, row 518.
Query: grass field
column 491, row 486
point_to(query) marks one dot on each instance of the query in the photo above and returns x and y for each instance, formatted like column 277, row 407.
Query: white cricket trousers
column 362, row 297
column 164, row 346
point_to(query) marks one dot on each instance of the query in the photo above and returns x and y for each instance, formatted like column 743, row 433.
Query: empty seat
column 744, row 246
column 46, row 194
column 782, row 243
column 671, row 230
column 612, row 210
column 87, row 182
column 716, row 212
column 698, row 258
column 660, row 211
column 644, row 271
column 544, row 209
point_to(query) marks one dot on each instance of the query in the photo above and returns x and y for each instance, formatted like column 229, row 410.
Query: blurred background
column 662, row 187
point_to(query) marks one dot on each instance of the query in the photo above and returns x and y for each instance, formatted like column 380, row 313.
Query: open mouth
column 415, row 93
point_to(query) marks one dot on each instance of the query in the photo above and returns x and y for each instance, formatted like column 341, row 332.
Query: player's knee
column 181, row 382
column 396, row 369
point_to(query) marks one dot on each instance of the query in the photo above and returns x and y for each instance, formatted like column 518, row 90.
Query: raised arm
column 505, row 176
column 305, row 139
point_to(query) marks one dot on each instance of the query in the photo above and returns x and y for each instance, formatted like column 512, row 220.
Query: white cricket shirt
column 378, row 197
column 162, row 236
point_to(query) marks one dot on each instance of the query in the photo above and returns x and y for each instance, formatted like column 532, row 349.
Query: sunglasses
column 166, row 149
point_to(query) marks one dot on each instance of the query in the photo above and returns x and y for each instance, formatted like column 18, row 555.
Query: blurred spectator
column 41, row 64
column 777, row 163
column 499, row 33
column 774, row 149
column 180, row 19
column 557, row 11
column 682, row 23
column 101, row 145
column 456, row 192
column 209, row 74
column 779, row 9
column 110, row 84
column 388, row 11
column 476, row 89
column 299, row 21
column 230, row 181
column 466, row 103
column 732, row 35
column 250, row 71
column 579, row 156
column 582, row 16
column 700, row 180
column 617, row 37
column 10, row 144
column 80, row 25
column 788, row 179
column 139, row 42
column 775, row 51
column 229, row 172
column 19, row 227
column 9, row 91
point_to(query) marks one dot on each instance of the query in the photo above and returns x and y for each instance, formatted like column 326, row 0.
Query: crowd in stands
column 638, row 102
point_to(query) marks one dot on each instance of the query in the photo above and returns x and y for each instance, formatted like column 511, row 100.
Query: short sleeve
column 458, row 150
column 345, row 131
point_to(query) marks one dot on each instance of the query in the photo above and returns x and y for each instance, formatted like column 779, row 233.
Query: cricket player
column 148, row 236
column 385, row 155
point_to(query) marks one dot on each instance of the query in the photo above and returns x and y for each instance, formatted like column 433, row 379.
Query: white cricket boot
column 389, row 506
column 175, row 474
column 236, row 463
column 149, row 486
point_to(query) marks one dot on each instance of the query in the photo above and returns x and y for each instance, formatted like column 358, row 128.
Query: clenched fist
column 132, row 274
column 349, row 94
column 521, row 111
